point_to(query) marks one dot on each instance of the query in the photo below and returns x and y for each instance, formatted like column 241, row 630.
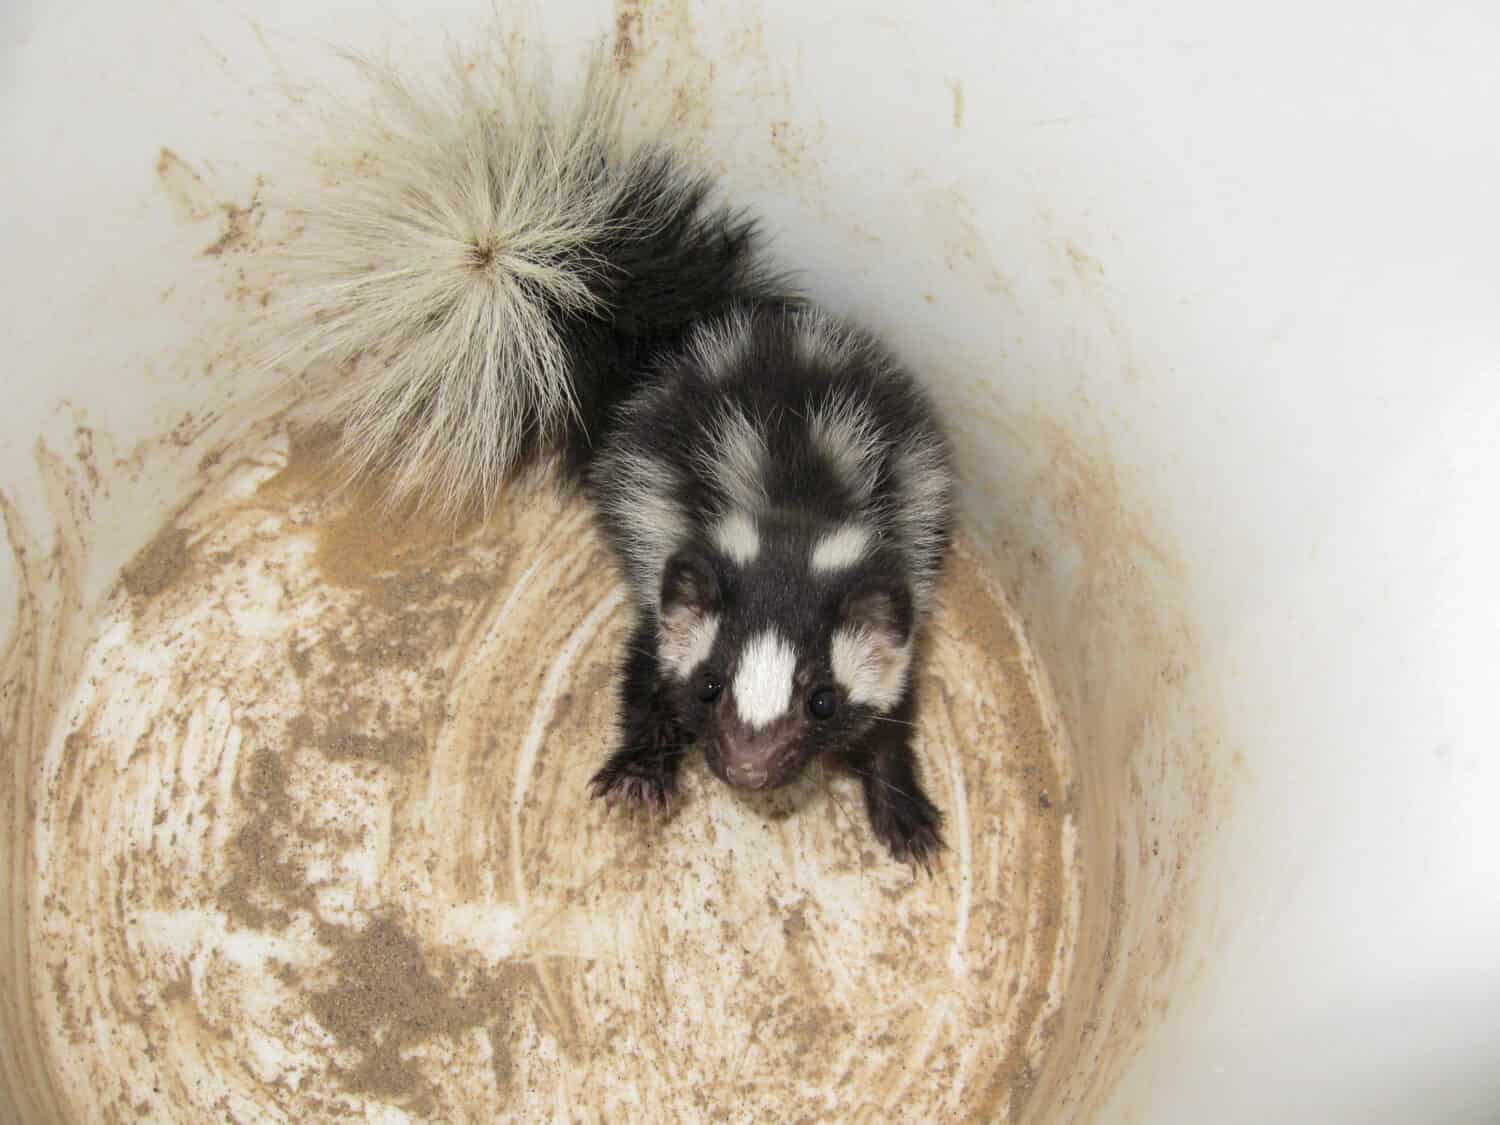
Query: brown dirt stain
column 159, row 564
column 190, row 198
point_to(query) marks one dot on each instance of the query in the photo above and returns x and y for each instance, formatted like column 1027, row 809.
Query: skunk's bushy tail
column 489, row 270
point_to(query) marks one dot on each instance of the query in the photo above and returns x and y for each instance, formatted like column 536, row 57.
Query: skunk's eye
column 708, row 686
column 822, row 703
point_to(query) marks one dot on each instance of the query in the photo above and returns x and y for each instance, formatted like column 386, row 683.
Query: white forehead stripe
column 841, row 548
column 687, row 638
column 869, row 668
column 736, row 537
column 763, row 681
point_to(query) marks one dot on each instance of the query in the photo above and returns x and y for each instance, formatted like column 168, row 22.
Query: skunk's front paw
column 908, row 824
column 636, row 780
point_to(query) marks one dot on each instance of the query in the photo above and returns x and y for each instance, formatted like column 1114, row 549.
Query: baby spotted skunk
column 779, row 493
column 497, row 276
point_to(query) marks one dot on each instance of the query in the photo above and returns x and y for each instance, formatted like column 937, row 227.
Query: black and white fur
column 779, row 493
column 778, row 490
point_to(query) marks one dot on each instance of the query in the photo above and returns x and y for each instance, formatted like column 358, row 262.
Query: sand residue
column 384, row 1000
column 160, row 563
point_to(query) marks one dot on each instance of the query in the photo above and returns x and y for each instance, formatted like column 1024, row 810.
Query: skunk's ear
column 690, row 603
column 879, row 605
column 689, row 585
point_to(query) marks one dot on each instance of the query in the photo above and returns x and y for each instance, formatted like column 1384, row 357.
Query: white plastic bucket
column 1210, row 295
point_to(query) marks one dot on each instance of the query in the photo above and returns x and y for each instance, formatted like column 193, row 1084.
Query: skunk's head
column 783, row 639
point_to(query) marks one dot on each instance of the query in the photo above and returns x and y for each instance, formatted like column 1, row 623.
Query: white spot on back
column 841, row 548
column 822, row 340
column 871, row 670
column 736, row 537
column 924, row 483
column 716, row 347
column 849, row 438
column 687, row 639
column 763, row 680
column 736, row 457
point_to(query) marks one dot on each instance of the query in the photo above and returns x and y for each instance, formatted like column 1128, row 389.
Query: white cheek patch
column 736, row 537
column 871, row 670
column 841, row 548
column 763, row 680
column 687, row 638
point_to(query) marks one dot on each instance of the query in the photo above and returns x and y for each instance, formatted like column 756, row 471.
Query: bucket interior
column 295, row 814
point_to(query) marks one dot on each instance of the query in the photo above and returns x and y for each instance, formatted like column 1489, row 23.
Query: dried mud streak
column 1031, row 751
column 35, row 671
column 1114, row 612
column 29, row 1090
column 240, row 226
column 184, row 188
column 629, row 20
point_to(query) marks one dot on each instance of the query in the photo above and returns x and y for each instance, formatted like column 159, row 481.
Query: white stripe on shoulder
column 736, row 536
column 763, row 680
column 640, row 501
column 841, row 548
column 924, row 481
